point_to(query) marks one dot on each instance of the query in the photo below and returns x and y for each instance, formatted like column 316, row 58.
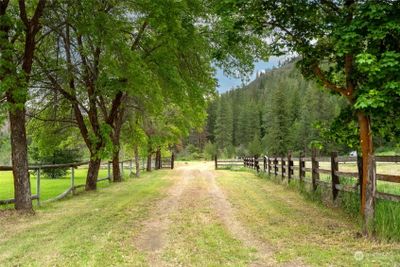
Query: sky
column 226, row 83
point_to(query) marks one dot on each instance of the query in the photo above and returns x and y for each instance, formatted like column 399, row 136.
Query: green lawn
column 91, row 229
column 50, row 188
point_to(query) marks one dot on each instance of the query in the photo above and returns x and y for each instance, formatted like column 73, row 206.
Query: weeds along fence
column 336, row 181
column 76, row 183
column 322, row 171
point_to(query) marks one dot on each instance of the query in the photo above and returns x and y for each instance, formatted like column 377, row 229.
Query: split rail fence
column 37, row 169
column 289, row 168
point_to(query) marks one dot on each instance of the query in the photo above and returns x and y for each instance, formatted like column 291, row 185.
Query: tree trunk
column 137, row 163
column 19, row 150
column 148, row 167
column 158, row 159
column 117, row 177
column 93, row 172
column 115, row 166
column 369, row 213
column 22, row 185
column 367, row 151
column 118, row 112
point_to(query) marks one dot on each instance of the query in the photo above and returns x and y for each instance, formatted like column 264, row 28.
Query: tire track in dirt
column 224, row 209
column 153, row 238
column 195, row 183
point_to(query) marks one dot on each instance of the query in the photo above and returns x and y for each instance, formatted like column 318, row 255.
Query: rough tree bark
column 367, row 152
column 93, row 172
column 116, row 171
column 19, row 152
column 115, row 136
column 16, row 98
column 369, row 212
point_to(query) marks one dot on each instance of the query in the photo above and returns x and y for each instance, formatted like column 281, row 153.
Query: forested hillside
column 279, row 111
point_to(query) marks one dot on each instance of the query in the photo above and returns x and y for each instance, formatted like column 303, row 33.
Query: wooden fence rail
column 285, row 168
column 165, row 163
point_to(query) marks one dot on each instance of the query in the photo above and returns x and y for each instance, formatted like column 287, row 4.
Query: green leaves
column 372, row 99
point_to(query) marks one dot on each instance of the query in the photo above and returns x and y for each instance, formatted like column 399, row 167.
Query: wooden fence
column 228, row 163
column 165, row 163
column 289, row 168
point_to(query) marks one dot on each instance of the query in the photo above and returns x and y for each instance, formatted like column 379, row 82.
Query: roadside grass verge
column 387, row 219
column 300, row 229
column 91, row 229
column 50, row 188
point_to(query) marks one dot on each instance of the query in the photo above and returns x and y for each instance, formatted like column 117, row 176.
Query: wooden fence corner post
column 369, row 212
column 216, row 162
column 315, row 169
column 172, row 160
column 282, row 168
column 335, row 177
column 275, row 166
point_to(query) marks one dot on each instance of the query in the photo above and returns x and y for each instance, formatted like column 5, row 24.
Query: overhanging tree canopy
column 350, row 47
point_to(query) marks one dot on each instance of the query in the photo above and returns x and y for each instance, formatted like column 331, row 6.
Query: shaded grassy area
column 50, row 188
column 91, row 229
column 301, row 229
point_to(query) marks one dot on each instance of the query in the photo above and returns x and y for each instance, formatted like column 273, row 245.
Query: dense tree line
column 280, row 111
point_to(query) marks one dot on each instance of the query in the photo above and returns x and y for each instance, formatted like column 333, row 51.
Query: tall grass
column 387, row 219
column 387, row 213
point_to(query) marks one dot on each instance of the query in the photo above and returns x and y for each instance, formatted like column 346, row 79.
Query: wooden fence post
column 130, row 167
column 275, row 166
column 216, row 162
column 283, row 168
column 335, row 177
column 256, row 164
column 269, row 165
column 360, row 174
column 73, row 179
column 109, row 170
column 369, row 212
column 172, row 160
column 38, row 186
column 315, row 169
column 289, row 167
column 302, row 165
column 265, row 164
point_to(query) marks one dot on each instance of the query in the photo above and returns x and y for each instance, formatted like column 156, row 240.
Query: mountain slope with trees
column 279, row 111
